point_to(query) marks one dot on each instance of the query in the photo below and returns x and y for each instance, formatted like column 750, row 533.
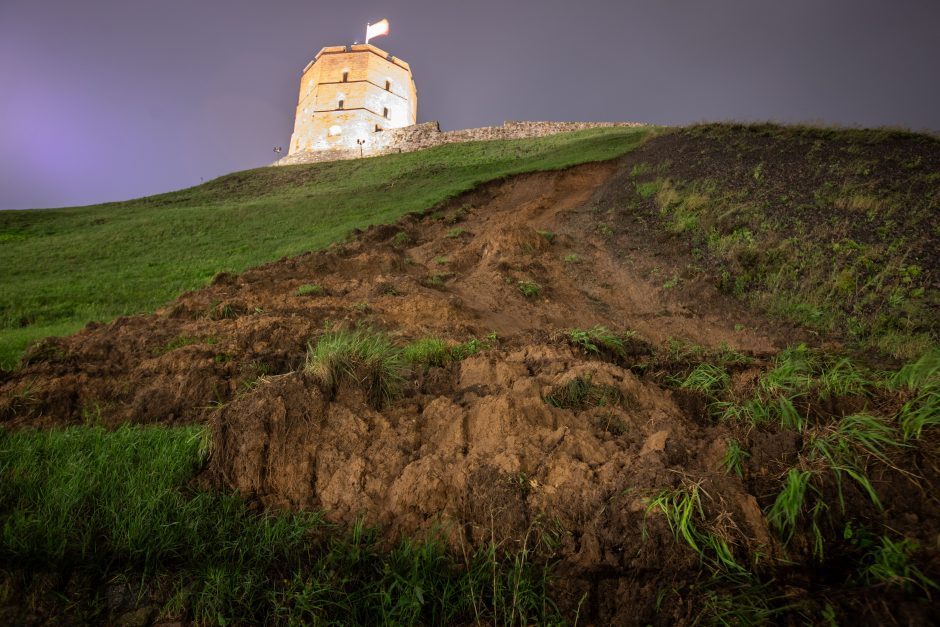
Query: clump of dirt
column 530, row 436
column 488, row 459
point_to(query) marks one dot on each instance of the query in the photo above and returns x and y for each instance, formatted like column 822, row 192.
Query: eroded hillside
column 579, row 365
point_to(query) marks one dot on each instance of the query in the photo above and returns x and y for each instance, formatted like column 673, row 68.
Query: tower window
column 378, row 128
column 346, row 76
column 341, row 104
column 388, row 85
column 385, row 113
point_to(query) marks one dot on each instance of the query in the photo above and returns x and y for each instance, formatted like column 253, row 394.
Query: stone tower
column 350, row 93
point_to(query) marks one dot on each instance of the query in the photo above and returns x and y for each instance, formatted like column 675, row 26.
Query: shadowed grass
column 580, row 393
column 683, row 511
column 114, row 505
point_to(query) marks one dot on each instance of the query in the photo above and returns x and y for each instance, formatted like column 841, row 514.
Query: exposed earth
column 487, row 447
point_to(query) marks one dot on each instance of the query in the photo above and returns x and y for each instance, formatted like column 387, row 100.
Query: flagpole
column 368, row 24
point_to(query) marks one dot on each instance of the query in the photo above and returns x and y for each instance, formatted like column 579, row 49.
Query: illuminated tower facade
column 349, row 95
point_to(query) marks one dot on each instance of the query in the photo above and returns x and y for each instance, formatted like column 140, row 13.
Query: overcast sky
column 113, row 99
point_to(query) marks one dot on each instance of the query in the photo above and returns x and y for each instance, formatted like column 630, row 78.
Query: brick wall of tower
column 349, row 94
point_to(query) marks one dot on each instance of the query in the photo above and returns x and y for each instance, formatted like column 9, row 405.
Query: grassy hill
column 61, row 268
column 695, row 384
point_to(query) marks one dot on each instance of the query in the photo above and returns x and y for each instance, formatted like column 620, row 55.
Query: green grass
column 889, row 563
column 830, row 239
column 428, row 352
column 114, row 505
column 367, row 358
column 832, row 454
column 61, row 268
column 683, row 511
column 548, row 235
column 311, row 289
column 437, row 352
column 599, row 339
column 920, row 380
column 734, row 458
column 581, row 393
column 529, row 289
column 706, row 378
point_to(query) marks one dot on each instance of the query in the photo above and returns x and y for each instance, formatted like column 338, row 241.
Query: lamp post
column 361, row 143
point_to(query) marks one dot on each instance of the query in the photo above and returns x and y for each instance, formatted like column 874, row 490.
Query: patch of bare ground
column 473, row 446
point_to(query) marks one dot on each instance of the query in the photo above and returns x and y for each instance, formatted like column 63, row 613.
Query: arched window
column 385, row 113
column 342, row 103
column 388, row 85
column 345, row 76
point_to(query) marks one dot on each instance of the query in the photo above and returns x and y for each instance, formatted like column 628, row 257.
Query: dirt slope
column 472, row 446
column 456, row 277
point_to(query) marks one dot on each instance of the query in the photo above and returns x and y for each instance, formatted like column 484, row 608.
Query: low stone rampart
column 429, row 134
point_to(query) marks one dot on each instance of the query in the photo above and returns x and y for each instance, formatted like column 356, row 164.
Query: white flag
column 377, row 29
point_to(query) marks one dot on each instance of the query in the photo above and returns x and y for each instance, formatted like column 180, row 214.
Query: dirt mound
column 486, row 457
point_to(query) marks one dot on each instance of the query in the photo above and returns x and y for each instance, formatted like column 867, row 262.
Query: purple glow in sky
column 112, row 99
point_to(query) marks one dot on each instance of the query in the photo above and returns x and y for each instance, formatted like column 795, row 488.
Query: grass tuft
column 428, row 352
column 599, row 339
column 367, row 358
column 890, row 564
column 529, row 289
column 683, row 511
column 311, row 289
column 580, row 393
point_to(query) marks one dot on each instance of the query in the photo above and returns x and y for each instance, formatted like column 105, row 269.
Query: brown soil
column 472, row 447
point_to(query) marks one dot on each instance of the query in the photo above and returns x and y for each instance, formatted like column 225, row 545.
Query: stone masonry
column 349, row 95
column 429, row 134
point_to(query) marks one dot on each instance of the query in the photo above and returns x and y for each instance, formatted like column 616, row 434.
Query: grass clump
column 473, row 346
column 401, row 239
column 920, row 380
column 529, row 289
column 580, row 393
column 311, row 289
column 798, row 388
column 456, row 232
column 428, row 352
column 438, row 279
column 830, row 455
column 548, row 235
column 706, row 378
column 889, row 563
column 599, row 339
column 683, row 511
column 366, row 358
column 734, row 458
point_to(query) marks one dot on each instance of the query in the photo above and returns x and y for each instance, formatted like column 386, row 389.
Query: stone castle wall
column 429, row 134
column 350, row 94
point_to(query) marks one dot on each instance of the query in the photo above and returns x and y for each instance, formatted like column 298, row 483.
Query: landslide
column 482, row 447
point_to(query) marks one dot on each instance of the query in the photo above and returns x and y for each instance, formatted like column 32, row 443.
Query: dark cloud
column 106, row 99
